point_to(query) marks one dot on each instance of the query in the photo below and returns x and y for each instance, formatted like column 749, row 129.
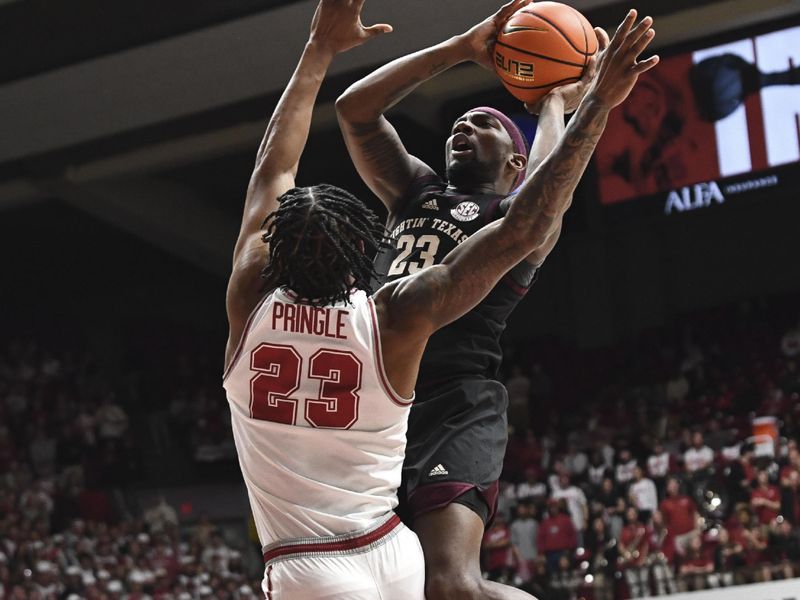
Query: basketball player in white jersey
column 320, row 375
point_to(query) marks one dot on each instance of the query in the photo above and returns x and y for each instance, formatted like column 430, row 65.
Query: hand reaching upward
column 618, row 67
column 337, row 26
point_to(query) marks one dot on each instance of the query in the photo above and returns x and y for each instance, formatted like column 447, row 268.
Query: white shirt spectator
column 658, row 464
column 698, row 458
column 576, row 503
column 644, row 494
column 531, row 490
column 161, row 515
column 624, row 471
column 111, row 420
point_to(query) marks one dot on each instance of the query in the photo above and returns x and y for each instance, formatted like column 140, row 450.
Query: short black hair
column 320, row 237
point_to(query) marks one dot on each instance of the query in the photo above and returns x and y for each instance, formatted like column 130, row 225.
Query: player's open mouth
column 460, row 145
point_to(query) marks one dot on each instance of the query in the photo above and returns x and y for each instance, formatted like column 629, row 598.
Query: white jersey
column 319, row 431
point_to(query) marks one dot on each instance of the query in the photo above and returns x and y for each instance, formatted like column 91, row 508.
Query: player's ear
column 518, row 162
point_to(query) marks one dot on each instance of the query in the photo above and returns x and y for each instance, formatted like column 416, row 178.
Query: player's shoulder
column 420, row 191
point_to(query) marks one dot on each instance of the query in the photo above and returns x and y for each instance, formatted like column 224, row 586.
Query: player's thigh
column 320, row 578
column 398, row 567
column 451, row 540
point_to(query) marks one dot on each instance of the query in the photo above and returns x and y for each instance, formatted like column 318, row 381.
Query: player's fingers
column 646, row 65
column 623, row 29
column 509, row 9
column 637, row 32
column 378, row 29
column 642, row 43
column 602, row 38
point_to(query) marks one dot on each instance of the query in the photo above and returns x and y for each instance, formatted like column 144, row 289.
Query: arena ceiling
column 146, row 114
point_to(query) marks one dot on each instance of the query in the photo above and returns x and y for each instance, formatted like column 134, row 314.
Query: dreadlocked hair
column 320, row 237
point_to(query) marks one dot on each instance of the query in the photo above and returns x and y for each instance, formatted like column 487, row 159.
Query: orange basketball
column 542, row 46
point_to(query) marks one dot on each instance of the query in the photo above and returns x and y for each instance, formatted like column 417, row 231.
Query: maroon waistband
column 339, row 543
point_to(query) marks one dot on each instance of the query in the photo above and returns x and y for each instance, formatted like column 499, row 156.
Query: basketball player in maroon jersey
column 457, row 428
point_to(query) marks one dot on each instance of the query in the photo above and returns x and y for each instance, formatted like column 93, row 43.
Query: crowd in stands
column 652, row 481
column 630, row 472
column 67, row 531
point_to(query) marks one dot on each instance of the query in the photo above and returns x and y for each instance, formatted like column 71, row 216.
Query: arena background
column 127, row 135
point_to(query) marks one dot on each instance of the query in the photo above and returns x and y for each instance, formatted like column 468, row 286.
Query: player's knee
column 449, row 586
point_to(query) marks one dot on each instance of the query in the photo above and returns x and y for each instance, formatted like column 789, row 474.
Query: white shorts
column 383, row 562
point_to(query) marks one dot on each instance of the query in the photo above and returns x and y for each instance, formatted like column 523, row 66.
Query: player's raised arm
column 440, row 294
column 336, row 27
column 551, row 109
column 375, row 147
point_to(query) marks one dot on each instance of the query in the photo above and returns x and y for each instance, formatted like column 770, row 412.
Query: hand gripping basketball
column 618, row 67
column 481, row 37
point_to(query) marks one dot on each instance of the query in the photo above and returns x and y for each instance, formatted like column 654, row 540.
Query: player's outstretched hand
column 571, row 94
column 618, row 66
column 481, row 38
column 337, row 25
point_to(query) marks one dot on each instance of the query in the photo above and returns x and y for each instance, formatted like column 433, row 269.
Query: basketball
column 542, row 46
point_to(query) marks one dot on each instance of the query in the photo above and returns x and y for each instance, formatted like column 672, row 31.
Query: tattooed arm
column 551, row 110
column 414, row 307
column 375, row 147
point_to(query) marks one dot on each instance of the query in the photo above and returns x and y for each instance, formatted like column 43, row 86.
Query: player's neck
column 476, row 188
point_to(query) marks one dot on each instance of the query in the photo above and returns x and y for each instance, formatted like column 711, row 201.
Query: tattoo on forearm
column 378, row 149
column 569, row 161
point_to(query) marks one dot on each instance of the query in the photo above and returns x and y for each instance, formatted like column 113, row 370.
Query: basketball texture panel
column 568, row 22
column 528, row 33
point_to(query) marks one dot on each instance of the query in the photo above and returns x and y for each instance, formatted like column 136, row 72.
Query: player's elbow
column 353, row 106
column 347, row 106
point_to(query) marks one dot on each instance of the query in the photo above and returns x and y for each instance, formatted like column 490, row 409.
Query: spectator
column 790, row 487
column 784, row 552
column 531, row 490
column 524, row 530
column 699, row 457
column 160, row 516
column 634, row 550
column 680, row 515
column 556, row 535
column 566, row 580
column 112, row 421
column 696, row 566
column 658, row 465
column 742, row 475
column 765, row 500
column 643, row 494
column 662, row 556
column 602, row 549
column 729, row 559
column 612, row 506
column 576, row 503
column 597, row 470
column 575, row 461
column 625, row 467
column 498, row 556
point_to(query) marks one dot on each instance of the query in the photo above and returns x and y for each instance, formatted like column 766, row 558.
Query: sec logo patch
column 466, row 211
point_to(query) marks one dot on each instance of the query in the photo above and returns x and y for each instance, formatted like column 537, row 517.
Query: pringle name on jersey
column 312, row 320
